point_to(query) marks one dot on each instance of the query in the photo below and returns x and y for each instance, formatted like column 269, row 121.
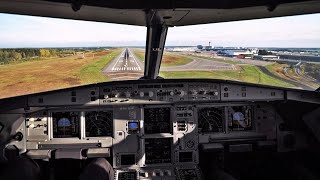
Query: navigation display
column 210, row 119
column 99, row 123
column 65, row 124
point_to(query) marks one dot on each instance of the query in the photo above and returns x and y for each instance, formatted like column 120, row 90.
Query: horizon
column 145, row 46
column 20, row 31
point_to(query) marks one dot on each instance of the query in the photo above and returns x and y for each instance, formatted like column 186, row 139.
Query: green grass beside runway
column 251, row 74
column 168, row 59
column 91, row 73
column 139, row 53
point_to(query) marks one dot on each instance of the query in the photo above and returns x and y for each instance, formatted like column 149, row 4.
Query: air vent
column 181, row 125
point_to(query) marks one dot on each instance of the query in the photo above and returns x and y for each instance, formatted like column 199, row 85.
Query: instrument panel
column 150, row 130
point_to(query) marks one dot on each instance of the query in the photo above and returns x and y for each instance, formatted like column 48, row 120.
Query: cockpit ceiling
column 172, row 12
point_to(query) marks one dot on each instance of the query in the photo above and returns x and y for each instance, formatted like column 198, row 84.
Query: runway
column 127, row 66
column 124, row 67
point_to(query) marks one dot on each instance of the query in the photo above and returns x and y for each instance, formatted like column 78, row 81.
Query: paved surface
column 127, row 66
column 234, row 59
column 199, row 64
column 124, row 67
column 297, row 70
column 299, row 82
column 251, row 61
column 292, row 81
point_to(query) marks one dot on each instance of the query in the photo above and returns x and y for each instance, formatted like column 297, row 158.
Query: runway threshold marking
column 135, row 60
column 118, row 59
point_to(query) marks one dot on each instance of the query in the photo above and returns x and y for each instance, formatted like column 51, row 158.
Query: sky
column 27, row 31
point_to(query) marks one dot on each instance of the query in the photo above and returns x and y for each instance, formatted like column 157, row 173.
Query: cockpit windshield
column 41, row 54
column 282, row 52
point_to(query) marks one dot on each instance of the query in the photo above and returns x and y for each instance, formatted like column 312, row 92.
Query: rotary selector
column 190, row 144
column 171, row 93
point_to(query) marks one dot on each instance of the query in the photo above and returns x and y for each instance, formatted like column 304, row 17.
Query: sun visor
column 173, row 12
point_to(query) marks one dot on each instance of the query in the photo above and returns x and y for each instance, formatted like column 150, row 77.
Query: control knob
column 190, row 144
column 171, row 93
column 194, row 92
column 182, row 93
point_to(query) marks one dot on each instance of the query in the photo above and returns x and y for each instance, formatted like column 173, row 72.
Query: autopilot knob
column 150, row 93
column 141, row 94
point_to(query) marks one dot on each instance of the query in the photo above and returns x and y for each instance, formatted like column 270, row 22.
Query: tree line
column 10, row 55
column 24, row 54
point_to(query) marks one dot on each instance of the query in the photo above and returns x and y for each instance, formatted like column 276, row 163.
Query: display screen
column 127, row 175
column 188, row 174
column 133, row 127
column 210, row 119
column 157, row 120
column 185, row 156
column 65, row 124
column 158, row 150
column 240, row 118
column 99, row 123
column 128, row 159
